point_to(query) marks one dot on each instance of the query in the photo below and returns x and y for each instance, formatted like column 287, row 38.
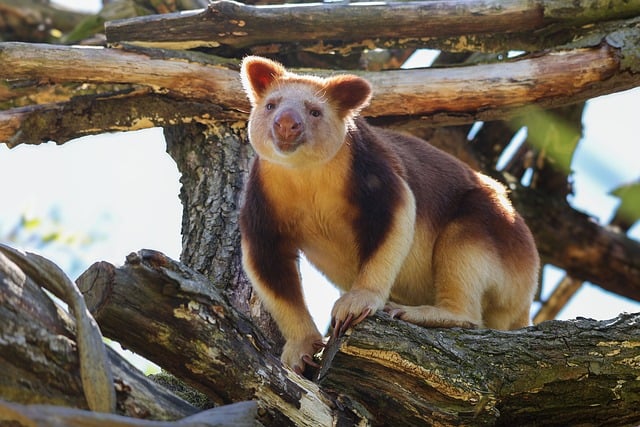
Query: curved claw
column 309, row 361
column 344, row 327
column 341, row 327
column 336, row 324
column 365, row 313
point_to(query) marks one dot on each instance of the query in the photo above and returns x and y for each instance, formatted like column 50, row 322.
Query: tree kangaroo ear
column 258, row 74
column 350, row 93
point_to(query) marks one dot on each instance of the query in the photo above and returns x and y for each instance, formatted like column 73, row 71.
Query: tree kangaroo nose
column 288, row 125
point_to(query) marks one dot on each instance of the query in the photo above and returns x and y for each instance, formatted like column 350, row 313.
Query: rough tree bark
column 214, row 162
column 169, row 313
column 475, row 25
column 442, row 96
column 39, row 358
column 389, row 371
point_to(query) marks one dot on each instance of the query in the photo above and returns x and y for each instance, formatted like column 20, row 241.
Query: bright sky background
column 123, row 187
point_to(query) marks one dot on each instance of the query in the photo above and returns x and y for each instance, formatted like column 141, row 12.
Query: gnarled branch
column 453, row 376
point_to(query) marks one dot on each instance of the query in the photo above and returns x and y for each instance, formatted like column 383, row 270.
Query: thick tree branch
column 448, row 25
column 94, row 114
column 453, row 376
column 486, row 377
column 51, row 63
column 458, row 95
column 174, row 316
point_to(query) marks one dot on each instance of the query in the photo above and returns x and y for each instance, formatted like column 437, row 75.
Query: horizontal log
column 342, row 26
column 581, row 372
column 107, row 112
column 440, row 96
column 229, row 23
column 489, row 91
column 60, row 64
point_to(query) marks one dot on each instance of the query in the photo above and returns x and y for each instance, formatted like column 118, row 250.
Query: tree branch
column 447, row 25
column 453, row 376
column 241, row 414
column 175, row 317
column 51, row 63
column 441, row 96
column 95, row 114
column 486, row 377
column 40, row 361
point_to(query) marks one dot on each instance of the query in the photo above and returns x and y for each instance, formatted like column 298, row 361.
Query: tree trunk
column 214, row 162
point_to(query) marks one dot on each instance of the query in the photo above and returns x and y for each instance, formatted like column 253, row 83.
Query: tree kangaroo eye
column 315, row 113
column 270, row 106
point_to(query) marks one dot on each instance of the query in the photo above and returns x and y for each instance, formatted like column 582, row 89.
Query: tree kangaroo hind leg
column 465, row 266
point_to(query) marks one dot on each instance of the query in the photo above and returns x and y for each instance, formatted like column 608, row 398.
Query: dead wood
column 344, row 27
column 395, row 373
column 241, row 414
column 176, row 318
column 95, row 370
column 39, row 356
column 438, row 96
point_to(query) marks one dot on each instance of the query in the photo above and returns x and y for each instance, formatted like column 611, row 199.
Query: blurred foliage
column 628, row 212
column 49, row 234
column 111, row 11
column 553, row 135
